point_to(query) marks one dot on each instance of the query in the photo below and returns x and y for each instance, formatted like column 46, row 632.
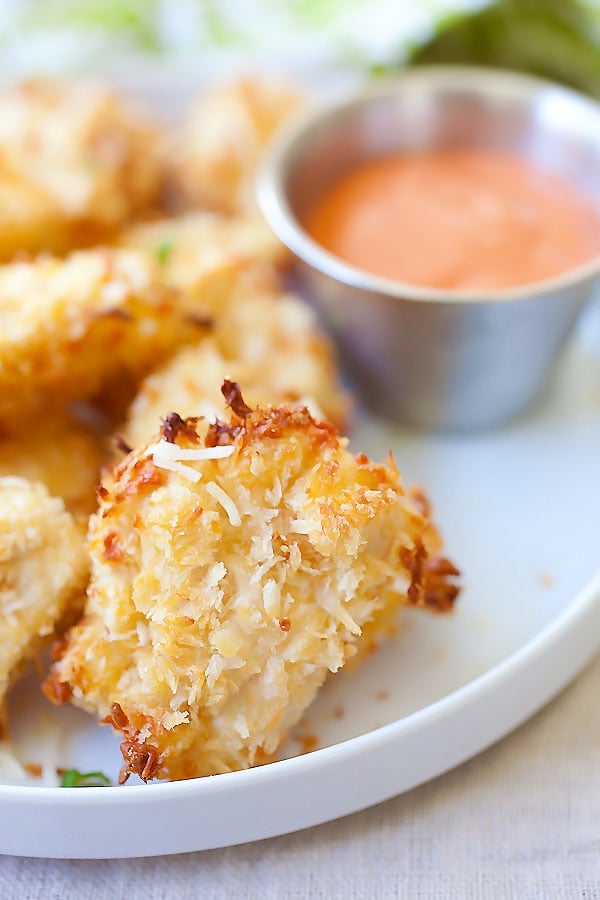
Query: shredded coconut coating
column 63, row 454
column 68, row 326
column 75, row 165
column 206, row 256
column 217, row 606
column 43, row 570
column 268, row 342
column 216, row 155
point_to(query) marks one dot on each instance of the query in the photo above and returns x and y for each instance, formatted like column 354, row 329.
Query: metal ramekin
column 434, row 358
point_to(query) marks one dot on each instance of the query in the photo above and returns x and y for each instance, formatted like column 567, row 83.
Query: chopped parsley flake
column 163, row 251
column 75, row 778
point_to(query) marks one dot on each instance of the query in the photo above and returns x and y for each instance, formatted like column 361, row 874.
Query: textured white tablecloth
column 521, row 821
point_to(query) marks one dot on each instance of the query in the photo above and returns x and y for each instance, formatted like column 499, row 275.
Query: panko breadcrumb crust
column 75, row 165
column 68, row 326
column 224, row 590
column 269, row 342
column 213, row 160
column 62, row 453
column 206, row 256
column 43, row 570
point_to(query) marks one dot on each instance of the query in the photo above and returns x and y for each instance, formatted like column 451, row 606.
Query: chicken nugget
column 43, row 570
column 206, row 255
column 75, row 164
column 278, row 335
column 230, row 573
column 189, row 382
column 29, row 218
column 68, row 326
column 215, row 157
column 268, row 343
column 63, row 454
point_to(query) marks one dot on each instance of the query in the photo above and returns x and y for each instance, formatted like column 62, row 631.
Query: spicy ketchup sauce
column 455, row 219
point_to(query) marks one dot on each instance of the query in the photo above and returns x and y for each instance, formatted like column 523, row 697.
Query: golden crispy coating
column 63, row 454
column 29, row 219
column 43, row 570
column 75, row 165
column 230, row 574
column 189, row 382
column 269, row 343
column 278, row 335
column 206, row 255
column 217, row 153
column 67, row 326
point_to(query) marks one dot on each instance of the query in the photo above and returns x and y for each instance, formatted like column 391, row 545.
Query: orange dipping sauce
column 456, row 220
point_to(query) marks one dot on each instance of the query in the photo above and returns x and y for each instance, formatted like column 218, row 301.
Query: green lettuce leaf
column 555, row 39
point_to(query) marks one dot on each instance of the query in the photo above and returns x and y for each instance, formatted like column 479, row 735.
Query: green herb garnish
column 75, row 778
column 163, row 251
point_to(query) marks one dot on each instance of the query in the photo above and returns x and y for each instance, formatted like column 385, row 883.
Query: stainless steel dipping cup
column 432, row 358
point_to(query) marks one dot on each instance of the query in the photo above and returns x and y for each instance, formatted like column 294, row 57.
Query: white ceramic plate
column 519, row 508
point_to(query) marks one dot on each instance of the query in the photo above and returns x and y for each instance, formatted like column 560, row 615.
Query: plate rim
column 537, row 645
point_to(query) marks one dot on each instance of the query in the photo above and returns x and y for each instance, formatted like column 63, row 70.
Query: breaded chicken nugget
column 279, row 336
column 206, row 255
column 75, row 164
column 269, row 343
column 63, row 454
column 230, row 574
column 190, row 382
column 29, row 218
column 67, row 326
column 43, row 570
column 216, row 155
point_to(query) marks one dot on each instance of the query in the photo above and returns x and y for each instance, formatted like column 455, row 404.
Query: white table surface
column 520, row 821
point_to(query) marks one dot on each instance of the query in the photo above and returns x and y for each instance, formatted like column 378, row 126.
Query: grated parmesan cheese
column 199, row 454
column 169, row 456
column 173, row 466
column 271, row 597
column 222, row 497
